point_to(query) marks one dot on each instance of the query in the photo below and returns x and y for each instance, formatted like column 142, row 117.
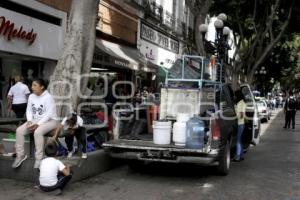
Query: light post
column 219, row 47
column 262, row 72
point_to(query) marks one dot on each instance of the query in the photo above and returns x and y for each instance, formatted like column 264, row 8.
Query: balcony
column 138, row 4
column 184, row 33
column 154, row 11
column 169, row 21
column 191, row 35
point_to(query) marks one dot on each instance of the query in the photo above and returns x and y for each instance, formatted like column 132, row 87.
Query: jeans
column 290, row 116
column 19, row 109
column 80, row 134
column 239, row 145
column 61, row 183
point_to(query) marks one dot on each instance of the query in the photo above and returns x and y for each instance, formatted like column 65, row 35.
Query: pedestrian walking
column 290, row 108
column 71, row 126
column 17, row 97
column 54, row 175
column 41, row 119
column 240, row 112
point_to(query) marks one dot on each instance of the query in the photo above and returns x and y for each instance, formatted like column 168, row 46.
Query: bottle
column 195, row 133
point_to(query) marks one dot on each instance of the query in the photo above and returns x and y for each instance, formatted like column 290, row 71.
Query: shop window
column 32, row 70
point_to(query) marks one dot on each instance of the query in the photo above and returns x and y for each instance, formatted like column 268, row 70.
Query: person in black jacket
column 290, row 108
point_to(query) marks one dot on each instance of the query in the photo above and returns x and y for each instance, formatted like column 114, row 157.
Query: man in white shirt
column 54, row 175
column 17, row 97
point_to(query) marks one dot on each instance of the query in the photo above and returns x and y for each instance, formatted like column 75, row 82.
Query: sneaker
column 84, row 155
column 37, row 164
column 18, row 161
column 70, row 154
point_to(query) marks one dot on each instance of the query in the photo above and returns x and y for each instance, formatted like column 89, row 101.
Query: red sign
column 8, row 30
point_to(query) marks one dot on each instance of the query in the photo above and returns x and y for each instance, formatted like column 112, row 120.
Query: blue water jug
column 195, row 133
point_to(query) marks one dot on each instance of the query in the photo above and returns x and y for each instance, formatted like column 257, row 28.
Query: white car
column 263, row 110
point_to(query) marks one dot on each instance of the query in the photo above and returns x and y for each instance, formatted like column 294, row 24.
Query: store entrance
column 31, row 70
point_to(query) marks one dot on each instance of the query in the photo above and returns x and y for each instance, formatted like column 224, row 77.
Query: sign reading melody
column 8, row 30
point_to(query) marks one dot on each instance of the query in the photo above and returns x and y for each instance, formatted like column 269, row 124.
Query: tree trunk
column 67, row 84
column 201, row 14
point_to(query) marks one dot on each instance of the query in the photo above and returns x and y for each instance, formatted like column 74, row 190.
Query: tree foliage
column 290, row 78
column 257, row 26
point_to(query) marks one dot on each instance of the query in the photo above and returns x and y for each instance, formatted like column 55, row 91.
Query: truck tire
column 224, row 160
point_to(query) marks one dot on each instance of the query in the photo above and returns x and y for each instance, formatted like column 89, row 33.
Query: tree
column 67, row 83
column 257, row 26
column 200, row 9
column 291, row 71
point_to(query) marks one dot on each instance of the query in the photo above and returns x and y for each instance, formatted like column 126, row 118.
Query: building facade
column 31, row 40
column 166, row 30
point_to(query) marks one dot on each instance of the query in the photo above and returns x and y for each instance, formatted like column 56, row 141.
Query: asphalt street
column 271, row 170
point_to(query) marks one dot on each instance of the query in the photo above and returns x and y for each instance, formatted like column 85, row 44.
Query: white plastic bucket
column 162, row 132
column 182, row 117
column 179, row 133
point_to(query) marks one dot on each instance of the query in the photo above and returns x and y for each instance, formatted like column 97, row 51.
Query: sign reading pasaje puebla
column 9, row 31
column 158, row 38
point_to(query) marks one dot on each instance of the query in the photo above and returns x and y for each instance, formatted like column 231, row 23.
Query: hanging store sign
column 158, row 38
column 10, row 32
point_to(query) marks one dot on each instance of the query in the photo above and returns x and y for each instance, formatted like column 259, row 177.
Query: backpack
column 292, row 104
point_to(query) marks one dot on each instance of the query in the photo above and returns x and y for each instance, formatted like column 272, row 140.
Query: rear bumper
column 204, row 160
column 159, row 153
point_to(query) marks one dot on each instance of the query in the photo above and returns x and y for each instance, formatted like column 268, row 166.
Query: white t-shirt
column 79, row 123
column 49, row 169
column 19, row 93
column 241, row 108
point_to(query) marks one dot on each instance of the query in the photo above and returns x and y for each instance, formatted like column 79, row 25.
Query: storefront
column 31, row 40
column 160, row 49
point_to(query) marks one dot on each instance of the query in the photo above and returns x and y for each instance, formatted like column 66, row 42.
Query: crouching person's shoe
column 37, row 164
column 70, row 154
column 84, row 155
column 18, row 161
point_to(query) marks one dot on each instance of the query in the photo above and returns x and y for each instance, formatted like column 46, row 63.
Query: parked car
column 263, row 110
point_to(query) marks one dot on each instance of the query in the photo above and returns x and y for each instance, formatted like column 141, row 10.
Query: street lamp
column 219, row 46
column 262, row 72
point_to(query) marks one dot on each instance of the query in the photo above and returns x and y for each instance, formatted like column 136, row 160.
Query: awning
column 121, row 56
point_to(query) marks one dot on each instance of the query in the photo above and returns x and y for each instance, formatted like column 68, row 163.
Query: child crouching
column 54, row 175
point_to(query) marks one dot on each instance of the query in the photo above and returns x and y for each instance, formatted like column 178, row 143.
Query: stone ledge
column 96, row 163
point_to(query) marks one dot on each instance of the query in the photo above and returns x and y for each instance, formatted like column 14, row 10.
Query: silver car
column 263, row 110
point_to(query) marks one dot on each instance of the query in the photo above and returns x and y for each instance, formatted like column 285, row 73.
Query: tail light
column 215, row 130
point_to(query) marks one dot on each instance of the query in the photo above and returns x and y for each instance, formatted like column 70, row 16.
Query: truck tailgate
column 148, row 145
column 148, row 151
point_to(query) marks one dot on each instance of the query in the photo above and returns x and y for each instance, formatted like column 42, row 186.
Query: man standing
column 241, row 114
column 17, row 97
column 290, row 108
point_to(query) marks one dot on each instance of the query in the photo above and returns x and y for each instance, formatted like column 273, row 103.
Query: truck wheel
column 224, row 160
